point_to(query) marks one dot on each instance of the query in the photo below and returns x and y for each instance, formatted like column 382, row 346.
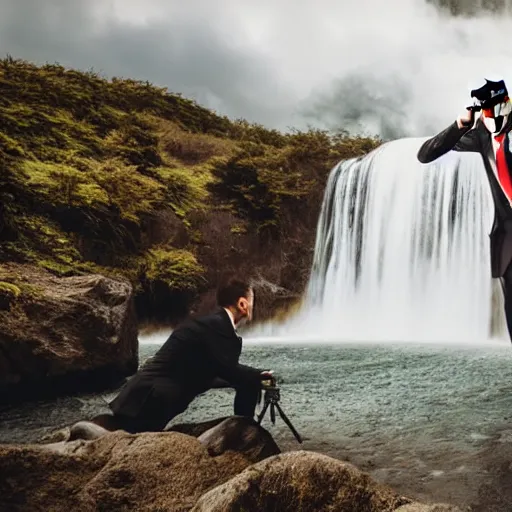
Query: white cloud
column 269, row 61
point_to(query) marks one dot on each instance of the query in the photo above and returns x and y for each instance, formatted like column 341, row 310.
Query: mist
column 410, row 73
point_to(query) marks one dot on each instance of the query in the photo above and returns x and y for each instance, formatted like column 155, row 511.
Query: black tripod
column 272, row 397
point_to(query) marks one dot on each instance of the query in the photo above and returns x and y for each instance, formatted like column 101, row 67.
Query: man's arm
column 236, row 373
column 459, row 136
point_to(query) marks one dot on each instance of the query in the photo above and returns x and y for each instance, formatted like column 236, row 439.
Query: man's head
column 238, row 297
column 495, row 104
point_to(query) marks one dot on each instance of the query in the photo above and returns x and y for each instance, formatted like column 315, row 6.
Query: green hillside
column 124, row 178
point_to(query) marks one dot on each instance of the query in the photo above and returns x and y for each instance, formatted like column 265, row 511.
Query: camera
column 269, row 383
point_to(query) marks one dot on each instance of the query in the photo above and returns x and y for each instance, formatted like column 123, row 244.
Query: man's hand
column 467, row 119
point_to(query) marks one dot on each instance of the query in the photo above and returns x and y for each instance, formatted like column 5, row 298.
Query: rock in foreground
column 301, row 482
column 72, row 332
column 226, row 468
column 119, row 471
column 240, row 434
column 232, row 434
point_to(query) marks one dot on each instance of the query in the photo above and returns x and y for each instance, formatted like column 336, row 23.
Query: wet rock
column 64, row 333
column 300, row 482
column 119, row 471
column 242, row 435
column 86, row 430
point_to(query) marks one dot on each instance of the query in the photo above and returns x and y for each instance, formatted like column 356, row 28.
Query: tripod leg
column 273, row 413
column 289, row 423
column 262, row 413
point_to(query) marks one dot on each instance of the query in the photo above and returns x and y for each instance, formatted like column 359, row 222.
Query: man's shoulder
column 217, row 320
column 479, row 127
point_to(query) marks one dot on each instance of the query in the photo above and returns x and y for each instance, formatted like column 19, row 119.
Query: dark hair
column 231, row 290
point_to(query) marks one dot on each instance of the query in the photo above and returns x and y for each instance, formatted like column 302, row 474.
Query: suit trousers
column 154, row 415
column 506, row 283
column 246, row 396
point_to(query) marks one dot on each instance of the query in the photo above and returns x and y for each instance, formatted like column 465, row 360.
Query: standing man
column 490, row 136
column 194, row 357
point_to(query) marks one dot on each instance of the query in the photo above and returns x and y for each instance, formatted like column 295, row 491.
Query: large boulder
column 240, row 434
column 63, row 333
column 117, row 472
column 236, row 433
column 301, row 481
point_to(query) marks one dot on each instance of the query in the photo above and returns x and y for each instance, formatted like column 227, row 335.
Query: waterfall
column 402, row 252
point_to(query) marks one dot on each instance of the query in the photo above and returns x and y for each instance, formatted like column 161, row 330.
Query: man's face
column 245, row 307
column 495, row 118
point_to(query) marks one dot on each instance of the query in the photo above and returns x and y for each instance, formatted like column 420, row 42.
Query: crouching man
column 195, row 357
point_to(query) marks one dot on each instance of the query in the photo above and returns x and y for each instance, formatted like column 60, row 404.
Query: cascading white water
column 402, row 251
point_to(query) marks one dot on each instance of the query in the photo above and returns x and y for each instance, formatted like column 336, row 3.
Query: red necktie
column 501, row 163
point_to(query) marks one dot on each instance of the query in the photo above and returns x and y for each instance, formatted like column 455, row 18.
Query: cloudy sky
column 282, row 63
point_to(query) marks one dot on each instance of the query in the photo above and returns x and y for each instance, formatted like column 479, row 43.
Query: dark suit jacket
column 478, row 140
column 195, row 354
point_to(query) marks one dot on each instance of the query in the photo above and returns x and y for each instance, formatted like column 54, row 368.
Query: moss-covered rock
column 8, row 293
column 176, row 268
column 63, row 333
